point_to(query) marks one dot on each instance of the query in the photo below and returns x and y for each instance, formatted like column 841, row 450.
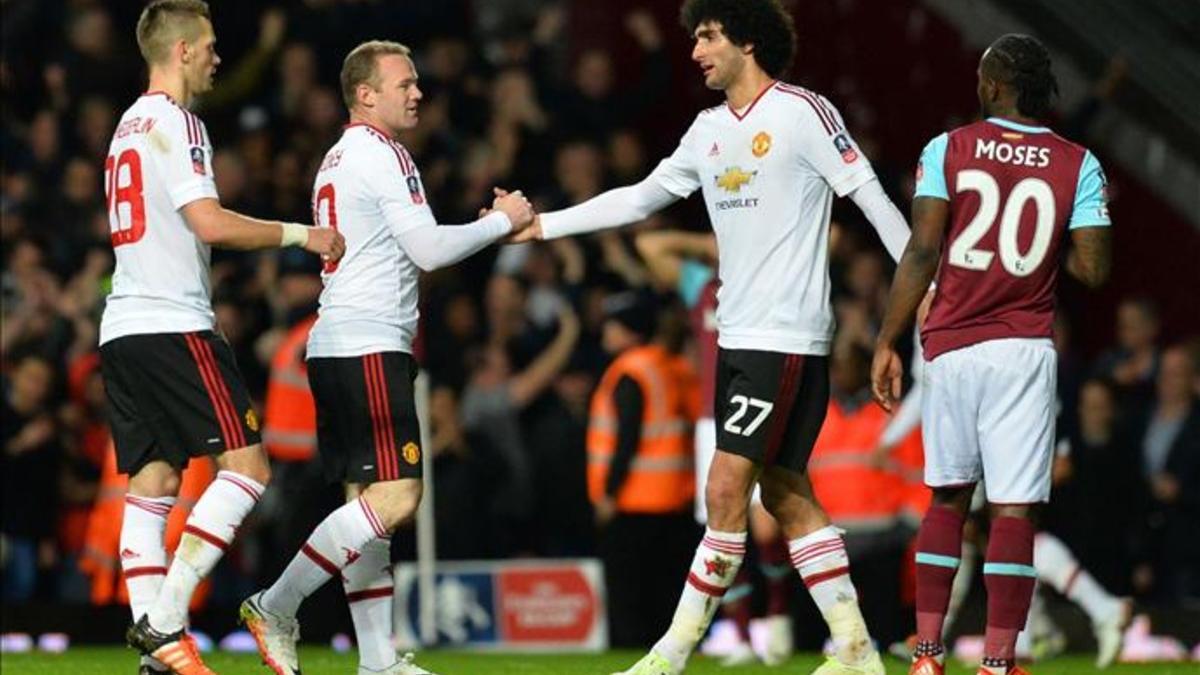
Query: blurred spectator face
column 1096, row 409
column 91, row 32
column 229, row 173
column 43, row 137
column 626, row 156
column 298, row 290
column 540, row 267
column 285, row 174
column 865, row 276
column 322, row 110
column 81, row 182
column 505, row 301
column 848, row 370
column 26, row 258
column 298, row 68
column 594, row 74
column 1137, row 325
column 446, row 59
column 575, row 389
column 462, row 321
column 494, row 367
column 580, row 170
column 615, row 337
column 96, row 124
column 1175, row 376
column 229, row 318
column 513, row 95
column 31, row 381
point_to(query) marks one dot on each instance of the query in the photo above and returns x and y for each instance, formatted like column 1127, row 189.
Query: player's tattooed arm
column 917, row 268
column 1090, row 258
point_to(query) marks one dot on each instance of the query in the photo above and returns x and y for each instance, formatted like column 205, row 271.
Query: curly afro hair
column 762, row 23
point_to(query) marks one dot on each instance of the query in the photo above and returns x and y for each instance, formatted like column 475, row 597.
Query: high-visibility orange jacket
column 858, row 494
column 101, row 550
column 290, row 425
column 660, row 476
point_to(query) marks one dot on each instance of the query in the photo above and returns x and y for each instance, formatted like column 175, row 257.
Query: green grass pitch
column 115, row 660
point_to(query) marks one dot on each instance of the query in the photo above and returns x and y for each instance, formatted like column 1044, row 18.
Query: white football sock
column 143, row 554
column 369, row 589
column 209, row 530
column 713, row 569
column 1056, row 566
column 334, row 544
column 820, row 558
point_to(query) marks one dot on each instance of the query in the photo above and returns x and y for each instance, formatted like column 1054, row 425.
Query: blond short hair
column 362, row 66
column 164, row 21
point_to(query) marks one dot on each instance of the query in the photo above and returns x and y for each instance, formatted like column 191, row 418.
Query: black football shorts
column 770, row 405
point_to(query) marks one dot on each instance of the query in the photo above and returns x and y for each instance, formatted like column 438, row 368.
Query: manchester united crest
column 411, row 453
column 251, row 420
column 761, row 144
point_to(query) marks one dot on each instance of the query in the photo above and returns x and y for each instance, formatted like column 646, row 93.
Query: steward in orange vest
column 290, row 422
column 639, row 440
column 861, row 492
column 640, row 466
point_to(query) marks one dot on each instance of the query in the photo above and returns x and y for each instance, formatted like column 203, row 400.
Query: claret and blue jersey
column 1014, row 191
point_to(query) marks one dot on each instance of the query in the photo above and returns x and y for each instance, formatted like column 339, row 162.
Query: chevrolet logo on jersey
column 734, row 178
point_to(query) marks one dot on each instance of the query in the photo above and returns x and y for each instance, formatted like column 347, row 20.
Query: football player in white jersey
column 360, row 363
column 769, row 162
column 173, row 387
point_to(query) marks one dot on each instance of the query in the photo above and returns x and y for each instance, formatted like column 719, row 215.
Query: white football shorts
column 988, row 414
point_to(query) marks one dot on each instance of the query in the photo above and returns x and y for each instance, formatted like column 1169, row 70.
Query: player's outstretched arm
column 1090, row 258
column 883, row 216
column 614, row 208
column 216, row 225
column 917, row 268
column 665, row 250
column 432, row 246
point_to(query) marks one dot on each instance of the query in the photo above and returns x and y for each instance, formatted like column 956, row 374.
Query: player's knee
column 155, row 485
column 394, row 501
column 722, row 495
column 1024, row 511
column 250, row 462
column 956, row 497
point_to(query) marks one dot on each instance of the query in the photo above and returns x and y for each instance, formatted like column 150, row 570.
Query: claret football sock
column 1009, row 577
column 939, row 545
column 337, row 542
column 713, row 570
column 207, row 534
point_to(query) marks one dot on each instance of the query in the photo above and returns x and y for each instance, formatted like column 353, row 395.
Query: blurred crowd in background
column 562, row 102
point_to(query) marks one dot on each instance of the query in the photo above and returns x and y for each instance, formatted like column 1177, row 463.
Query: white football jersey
column 368, row 188
column 159, row 160
column 768, row 177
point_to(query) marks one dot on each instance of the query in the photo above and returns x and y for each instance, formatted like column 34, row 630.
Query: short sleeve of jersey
column 677, row 174
column 392, row 179
column 931, row 170
column 183, row 157
column 828, row 148
column 693, row 276
column 1091, row 198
